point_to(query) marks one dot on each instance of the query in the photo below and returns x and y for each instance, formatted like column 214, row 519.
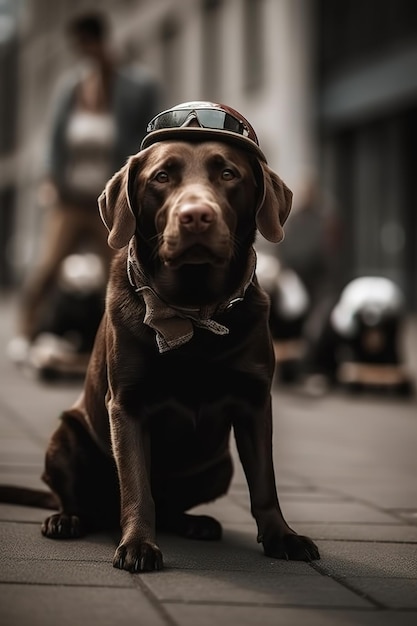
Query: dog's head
column 195, row 173
column 194, row 204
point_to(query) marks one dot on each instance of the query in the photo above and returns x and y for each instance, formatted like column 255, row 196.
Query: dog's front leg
column 138, row 550
column 253, row 435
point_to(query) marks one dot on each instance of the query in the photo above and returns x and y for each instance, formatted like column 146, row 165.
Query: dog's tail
column 28, row 497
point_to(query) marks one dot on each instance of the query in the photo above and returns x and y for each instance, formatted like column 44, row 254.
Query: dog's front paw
column 291, row 547
column 62, row 526
column 138, row 556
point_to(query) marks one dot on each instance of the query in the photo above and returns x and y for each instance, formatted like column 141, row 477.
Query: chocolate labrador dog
column 183, row 354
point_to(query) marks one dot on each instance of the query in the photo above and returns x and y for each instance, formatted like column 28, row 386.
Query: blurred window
column 353, row 30
column 9, row 86
column 212, row 50
column 253, row 44
column 172, row 62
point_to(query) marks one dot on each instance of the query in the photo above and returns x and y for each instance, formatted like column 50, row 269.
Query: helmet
column 201, row 121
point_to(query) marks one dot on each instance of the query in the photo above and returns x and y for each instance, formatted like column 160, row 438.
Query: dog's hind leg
column 84, row 481
column 190, row 491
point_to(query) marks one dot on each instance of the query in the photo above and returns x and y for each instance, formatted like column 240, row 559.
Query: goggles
column 209, row 118
column 202, row 121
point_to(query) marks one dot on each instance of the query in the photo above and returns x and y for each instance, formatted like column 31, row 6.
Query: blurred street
column 346, row 469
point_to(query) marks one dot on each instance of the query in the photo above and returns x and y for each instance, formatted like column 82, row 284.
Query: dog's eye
column 161, row 177
column 228, row 174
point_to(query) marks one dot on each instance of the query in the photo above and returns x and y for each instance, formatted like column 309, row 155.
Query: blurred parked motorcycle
column 289, row 309
column 360, row 346
column 67, row 331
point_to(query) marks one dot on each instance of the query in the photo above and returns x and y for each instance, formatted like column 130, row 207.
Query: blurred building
column 8, row 125
column 330, row 87
column 367, row 131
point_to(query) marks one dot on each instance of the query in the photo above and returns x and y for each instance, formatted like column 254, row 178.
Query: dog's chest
column 191, row 384
column 189, row 413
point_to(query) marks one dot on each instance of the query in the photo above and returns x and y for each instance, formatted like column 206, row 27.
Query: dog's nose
column 196, row 217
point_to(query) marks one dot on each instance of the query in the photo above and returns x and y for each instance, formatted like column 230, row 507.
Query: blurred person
column 312, row 248
column 100, row 118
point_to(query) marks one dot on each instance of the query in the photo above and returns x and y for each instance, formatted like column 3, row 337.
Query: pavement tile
column 13, row 513
column 227, row 510
column 24, row 541
column 9, row 428
column 37, row 409
column 244, row 588
column 79, row 573
column 237, row 551
column 34, row 457
column 21, row 469
column 292, row 492
column 209, row 614
column 383, row 489
column 359, row 444
column 17, row 469
column 43, row 605
column 345, row 511
column 314, row 496
column 18, row 446
column 394, row 593
column 370, row 560
column 289, row 482
column 359, row 532
column 21, row 452
column 407, row 514
column 23, row 475
column 334, row 511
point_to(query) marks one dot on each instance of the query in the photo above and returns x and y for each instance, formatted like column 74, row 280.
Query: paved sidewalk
column 347, row 475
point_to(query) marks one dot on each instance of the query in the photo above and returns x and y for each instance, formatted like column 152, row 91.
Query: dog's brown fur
column 149, row 438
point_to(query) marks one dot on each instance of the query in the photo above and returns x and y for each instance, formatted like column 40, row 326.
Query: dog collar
column 174, row 326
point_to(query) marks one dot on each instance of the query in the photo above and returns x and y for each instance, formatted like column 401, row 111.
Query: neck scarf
column 174, row 326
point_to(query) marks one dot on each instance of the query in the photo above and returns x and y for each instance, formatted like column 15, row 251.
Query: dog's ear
column 115, row 204
column 274, row 205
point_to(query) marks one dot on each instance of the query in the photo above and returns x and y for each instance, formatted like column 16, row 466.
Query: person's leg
column 97, row 235
column 62, row 232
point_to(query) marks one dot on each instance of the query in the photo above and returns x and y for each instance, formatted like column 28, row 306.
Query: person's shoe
column 316, row 385
column 18, row 349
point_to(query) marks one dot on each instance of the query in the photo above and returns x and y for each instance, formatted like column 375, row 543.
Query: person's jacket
column 135, row 101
